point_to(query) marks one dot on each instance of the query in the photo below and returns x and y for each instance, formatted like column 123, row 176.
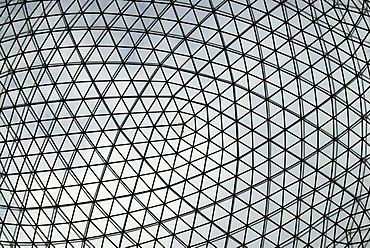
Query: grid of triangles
column 191, row 123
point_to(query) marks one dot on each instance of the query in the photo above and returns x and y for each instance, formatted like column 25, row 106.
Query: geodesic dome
column 192, row 123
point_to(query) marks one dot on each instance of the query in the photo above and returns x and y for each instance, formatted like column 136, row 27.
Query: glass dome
column 192, row 123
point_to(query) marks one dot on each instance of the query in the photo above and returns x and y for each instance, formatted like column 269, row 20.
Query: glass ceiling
column 192, row 123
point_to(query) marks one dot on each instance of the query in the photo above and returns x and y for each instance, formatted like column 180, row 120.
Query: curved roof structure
column 190, row 123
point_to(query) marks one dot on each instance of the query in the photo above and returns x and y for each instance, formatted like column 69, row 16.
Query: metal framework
column 190, row 123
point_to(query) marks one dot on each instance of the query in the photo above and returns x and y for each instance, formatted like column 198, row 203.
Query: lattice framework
column 184, row 123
